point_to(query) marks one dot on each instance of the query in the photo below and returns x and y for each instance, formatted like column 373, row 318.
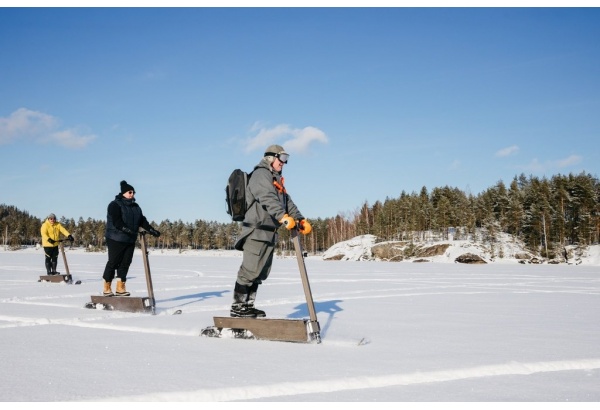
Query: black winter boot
column 250, row 301
column 54, row 272
column 241, row 310
column 48, row 267
column 255, row 311
column 239, row 307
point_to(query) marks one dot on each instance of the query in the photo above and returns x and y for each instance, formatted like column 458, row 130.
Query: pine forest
column 546, row 214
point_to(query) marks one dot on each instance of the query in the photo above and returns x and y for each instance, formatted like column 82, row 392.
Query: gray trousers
column 256, row 263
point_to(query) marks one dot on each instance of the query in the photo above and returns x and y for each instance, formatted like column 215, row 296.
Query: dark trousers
column 51, row 260
column 120, row 255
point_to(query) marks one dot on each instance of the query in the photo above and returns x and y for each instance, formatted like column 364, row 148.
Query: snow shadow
column 196, row 297
column 330, row 307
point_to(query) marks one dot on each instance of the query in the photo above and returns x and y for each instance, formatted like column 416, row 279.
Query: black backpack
column 235, row 194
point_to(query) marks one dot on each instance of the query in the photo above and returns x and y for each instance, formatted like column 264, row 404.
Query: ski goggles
column 282, row 157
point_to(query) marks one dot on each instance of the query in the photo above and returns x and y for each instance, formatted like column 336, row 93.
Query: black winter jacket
column 123, row 220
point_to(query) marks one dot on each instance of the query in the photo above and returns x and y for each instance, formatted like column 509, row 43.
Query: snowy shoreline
column 359, row 249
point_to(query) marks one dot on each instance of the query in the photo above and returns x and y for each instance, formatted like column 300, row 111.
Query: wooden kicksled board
column 287, row 330
column 124, row 303
column 55, row 278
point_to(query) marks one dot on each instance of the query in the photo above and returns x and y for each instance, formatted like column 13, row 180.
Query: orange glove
column 304, row 227
column 287, row 221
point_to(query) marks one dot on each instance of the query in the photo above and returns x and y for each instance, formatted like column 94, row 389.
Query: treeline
column 546, row 214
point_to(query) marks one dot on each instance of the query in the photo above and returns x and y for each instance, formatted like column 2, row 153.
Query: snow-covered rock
column 355, row 249
column 503, row 249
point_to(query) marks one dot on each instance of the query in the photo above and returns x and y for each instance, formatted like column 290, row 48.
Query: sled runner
column 288, row 330
column 130, row 303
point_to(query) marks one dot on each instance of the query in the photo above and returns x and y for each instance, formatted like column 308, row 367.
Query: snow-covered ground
column 391, row 332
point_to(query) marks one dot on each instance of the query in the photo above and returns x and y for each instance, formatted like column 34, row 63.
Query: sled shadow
column 197, row 297
column 330, row 308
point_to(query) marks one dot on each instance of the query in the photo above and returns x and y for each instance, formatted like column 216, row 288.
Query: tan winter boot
column 121, row 291
column 107, row 290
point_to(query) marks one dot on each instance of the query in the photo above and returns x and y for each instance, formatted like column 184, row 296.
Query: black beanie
column 125, row 187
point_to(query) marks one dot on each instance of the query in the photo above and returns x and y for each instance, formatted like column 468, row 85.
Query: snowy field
column 391, row 332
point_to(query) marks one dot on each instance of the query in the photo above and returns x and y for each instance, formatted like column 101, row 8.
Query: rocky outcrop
column 522, row 256
column 470, row 258
column 358, row 249
column 435, row 250
column 399, row 251
column 389, row 251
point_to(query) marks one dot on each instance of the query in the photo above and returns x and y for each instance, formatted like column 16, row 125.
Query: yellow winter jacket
column 52, row 231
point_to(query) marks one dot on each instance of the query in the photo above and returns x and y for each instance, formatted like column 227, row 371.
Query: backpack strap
column 249, row 204
column 259, row 226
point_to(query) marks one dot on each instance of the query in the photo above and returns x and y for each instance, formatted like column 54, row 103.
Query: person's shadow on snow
column 197, row 297
column 330, row 307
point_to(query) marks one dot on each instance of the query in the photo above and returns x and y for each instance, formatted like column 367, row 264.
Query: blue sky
column 368, row 101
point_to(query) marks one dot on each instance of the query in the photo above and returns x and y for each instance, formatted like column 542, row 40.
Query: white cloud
column 69, row 139
column 536, row 166
column 570, row 160
column 24, row 123
column 505, row 152
column 292, row 139
column 267, row 136
column 40, row 127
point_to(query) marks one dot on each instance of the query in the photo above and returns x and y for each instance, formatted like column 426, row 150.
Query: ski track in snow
column 13, row 321
column 240, row 393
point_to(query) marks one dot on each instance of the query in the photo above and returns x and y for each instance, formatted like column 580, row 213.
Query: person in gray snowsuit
column 269, row 207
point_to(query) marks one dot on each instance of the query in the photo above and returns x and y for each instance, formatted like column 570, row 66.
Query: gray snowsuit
column 266, row 206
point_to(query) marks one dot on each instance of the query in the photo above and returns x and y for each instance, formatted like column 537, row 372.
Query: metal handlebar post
column 313, row 325
column 147, row 270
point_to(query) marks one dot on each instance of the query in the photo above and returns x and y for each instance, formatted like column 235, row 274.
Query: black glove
column 154, row 232
column 128, row 231
column 52, row 241
column 70, row 238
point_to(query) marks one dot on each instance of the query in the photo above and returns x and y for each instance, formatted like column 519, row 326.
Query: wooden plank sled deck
column 285, row 330
column 56, row 278
column 124, row 303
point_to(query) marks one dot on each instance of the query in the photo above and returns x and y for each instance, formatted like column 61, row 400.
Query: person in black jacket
column 123, row 220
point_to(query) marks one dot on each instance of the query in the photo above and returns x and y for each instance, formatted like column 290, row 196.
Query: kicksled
column 120, row 303
column 58, row 277
column 283, row 330
column 130, row 303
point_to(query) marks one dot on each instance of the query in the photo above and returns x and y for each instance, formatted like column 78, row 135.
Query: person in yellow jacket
column 51, row 230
